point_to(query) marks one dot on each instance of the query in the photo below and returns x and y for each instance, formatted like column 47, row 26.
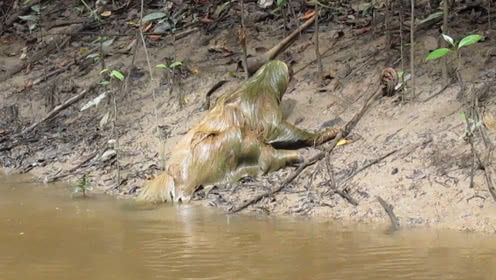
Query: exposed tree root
column 256, row 62
column 395, row 224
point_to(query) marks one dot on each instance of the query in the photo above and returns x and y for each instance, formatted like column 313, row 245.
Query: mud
column 426, row 179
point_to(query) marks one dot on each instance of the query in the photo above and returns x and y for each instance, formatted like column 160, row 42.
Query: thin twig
column 155, row 111
column 71, row 170
column 445, row 31
column 316, row 38
column 115, row 135
column 285, row 19
column 489, row 15
column 387, row 24
column 402, row 40
column 242, row 40
column 333, row 184
column 412, row 46
column 437, row 93
column 372, row 162
column 57, row 110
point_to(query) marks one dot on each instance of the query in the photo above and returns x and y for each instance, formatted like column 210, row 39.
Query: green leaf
column 161, row 66
column 448, row 39
column 29, row 18
column 437, row 54
column 117, row 75
column 104, row 82
column 176, row 64
column 95, row 101
column 462, row 116
column 469, row 40
column 104, row 70
column 154, row 16
column 280, row 2
column 93, row 55
column 36, row 8
column 400, row 74
column 32, row 26
column 431, row 17
column 107, row 43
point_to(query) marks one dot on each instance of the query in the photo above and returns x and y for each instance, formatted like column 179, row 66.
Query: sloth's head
column 272, row 76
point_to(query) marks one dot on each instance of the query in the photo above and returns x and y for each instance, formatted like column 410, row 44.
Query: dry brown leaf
column 308, row 15
column 490, row 121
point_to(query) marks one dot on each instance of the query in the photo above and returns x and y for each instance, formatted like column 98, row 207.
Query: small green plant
column 472, row 125
column 33, row 18
column 455, row 47
column 112, row 74
column 82, row 185
column 93, row 13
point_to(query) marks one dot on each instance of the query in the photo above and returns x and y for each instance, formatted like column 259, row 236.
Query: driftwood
column 321, row 155
column 69, row 172
column 256, row 62
column 395, row 224
column 57, row 110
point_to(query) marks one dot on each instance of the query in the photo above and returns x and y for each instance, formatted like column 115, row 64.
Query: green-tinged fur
column 244, row 134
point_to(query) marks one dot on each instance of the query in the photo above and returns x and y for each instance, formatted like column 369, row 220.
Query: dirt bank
column 426, row 175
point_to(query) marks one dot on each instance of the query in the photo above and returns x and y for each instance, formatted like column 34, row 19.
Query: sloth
column 244, row 134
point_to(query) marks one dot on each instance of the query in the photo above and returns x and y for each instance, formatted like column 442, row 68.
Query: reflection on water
column 44, row 234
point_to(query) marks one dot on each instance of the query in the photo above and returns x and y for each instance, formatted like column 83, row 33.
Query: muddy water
column 46, row 234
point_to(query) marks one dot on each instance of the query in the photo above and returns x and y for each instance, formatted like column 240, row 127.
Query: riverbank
column 408, row 150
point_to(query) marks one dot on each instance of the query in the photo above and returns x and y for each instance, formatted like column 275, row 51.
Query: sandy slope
column 426, row 180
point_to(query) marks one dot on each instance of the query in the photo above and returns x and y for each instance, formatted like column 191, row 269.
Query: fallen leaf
column 29, row 84
column 490, row 121
column 106, row 14
column 343, row 142
column 84, row 51
column 195, row 70
column 154, row 37
column 308, row 14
